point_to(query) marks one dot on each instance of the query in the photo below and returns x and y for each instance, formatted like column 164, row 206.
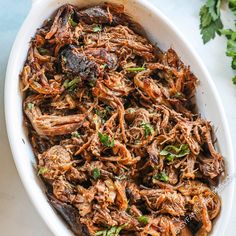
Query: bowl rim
column 8, row 111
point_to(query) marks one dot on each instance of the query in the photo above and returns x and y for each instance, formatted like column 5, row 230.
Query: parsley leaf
column 136, row 69
column 71, row 85
column 72, row 22
column 143, row 219
column 75, row 134
column 113, row 231
column 103, row 113
column 96, row 173
column 30, row 105
column 171, row 151
column 232, row 6
column 210, row 24
column 214, row 8
column 234, row 80
column 103, row 66
column 148, row 129
column 104, row 139
column 210, row 21
column 42, row 170
column 64, row 59
column 231, row 47
column 161, row 176
column 97, row 28
column 43, row 51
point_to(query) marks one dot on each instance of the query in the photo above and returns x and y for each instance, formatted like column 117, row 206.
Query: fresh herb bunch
column 211, row 24
column 210, row 21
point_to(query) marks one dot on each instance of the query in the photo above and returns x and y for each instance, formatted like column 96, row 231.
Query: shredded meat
column 113, row 125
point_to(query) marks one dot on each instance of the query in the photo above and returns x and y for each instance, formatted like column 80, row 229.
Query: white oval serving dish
column 160, row 31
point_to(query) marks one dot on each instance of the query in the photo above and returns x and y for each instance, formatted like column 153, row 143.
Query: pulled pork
column 111, row 120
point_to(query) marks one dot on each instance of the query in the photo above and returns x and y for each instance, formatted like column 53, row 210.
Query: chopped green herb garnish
column 104, row 139
column 42, row 170
column 148, row 129
column 43, row 51
column 101, row 232
column 104, row 113
column 178, row 95
column 113, row 231
column 65, row 84
column 75, row 134
column 103, row 66
column 161, row 176
column 64, row 59
column 172, row 152
column 137, row 141
column 96, row 173
column 73, row 82
column 71, row 85
column 136, row 69
column 72, row 22
column 92, row 81
column 121, row 177
column 97, row 28
column 30, row 105
column 131, row 110
column 143, row 219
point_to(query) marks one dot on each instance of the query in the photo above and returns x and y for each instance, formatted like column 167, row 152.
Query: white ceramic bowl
column 160, row 31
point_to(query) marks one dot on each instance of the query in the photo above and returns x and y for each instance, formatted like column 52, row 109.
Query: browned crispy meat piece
column 71, row 215
column 50, row 125
column 77, row 63
column 57, row 161
column 113, row 125
column 97, row 15
column 165, row 202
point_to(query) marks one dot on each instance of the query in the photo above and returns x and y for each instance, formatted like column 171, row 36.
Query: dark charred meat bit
column 95, row 15
column 113, row 125
column 71, row 215
column 77, row 63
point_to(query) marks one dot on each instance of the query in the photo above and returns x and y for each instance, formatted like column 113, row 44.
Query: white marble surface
column 17, row 215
